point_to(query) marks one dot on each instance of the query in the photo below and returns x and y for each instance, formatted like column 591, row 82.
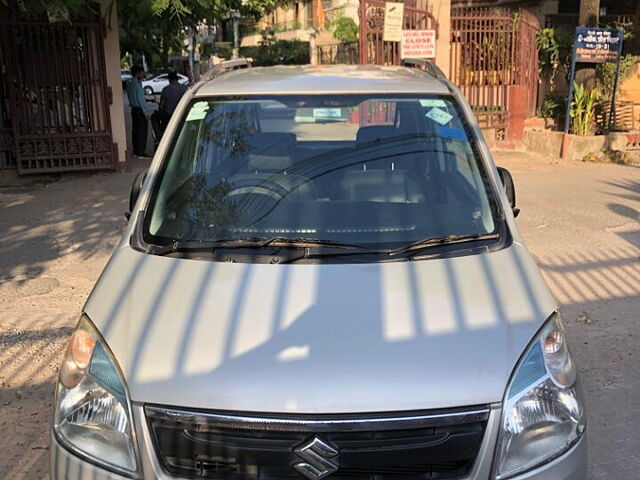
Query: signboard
column 418, row 44
column 393, row 19
column 594, row 45
column 597, row 45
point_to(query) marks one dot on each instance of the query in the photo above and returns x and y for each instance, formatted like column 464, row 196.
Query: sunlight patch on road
column 594, row 275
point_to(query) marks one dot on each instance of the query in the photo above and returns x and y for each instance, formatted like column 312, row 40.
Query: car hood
column 319, row 338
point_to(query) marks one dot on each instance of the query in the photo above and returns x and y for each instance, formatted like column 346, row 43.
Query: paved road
column 583, row 226
column 581, row 221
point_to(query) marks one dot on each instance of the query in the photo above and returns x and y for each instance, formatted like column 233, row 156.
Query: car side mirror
column 136, row 187
column 509, row 188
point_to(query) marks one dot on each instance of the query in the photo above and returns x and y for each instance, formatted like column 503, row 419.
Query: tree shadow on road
column 56, row 239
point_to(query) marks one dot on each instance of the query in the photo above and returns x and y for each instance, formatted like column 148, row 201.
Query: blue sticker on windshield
column 452, row 133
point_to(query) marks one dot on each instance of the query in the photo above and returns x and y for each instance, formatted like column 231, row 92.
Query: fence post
column 362, row 33
column 313, row 50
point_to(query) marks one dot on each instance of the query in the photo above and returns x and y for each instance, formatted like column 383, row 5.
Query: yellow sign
column 393, row 19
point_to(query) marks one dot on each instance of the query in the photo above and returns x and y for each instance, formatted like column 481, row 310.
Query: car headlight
column 543, row 415
column 92, row 411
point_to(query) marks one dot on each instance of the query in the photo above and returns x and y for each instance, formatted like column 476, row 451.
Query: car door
column 160, row 82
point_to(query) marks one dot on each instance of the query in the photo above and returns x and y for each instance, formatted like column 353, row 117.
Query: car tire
column 148, row 91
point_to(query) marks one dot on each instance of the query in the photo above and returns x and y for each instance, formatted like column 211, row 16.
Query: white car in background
column 125, row 76
column 156, row 84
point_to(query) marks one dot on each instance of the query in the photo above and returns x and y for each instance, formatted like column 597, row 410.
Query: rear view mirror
column 509, row 188
column 136, row 187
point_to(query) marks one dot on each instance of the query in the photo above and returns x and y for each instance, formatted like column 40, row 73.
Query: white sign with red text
column 418, row 44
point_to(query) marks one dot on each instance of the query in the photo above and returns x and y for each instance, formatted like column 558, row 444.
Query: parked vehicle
column 125, row 76
column 321, row 277
column 157, row 83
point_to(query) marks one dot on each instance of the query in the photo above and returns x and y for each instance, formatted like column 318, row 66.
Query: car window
column 374, row 170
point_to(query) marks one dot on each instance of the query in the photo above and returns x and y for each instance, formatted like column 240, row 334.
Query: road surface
column 581, row 221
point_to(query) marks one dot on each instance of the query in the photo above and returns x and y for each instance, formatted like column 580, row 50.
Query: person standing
column 139, row 112
column 169, row 99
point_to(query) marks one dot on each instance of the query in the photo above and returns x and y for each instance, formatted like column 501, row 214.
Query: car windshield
column 378, row 171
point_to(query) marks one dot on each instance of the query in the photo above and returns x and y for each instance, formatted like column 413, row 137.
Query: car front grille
column 431, row 445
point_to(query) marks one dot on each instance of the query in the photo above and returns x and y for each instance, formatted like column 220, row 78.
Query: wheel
column 148, row 91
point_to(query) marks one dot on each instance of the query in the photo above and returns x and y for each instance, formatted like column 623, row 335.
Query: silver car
column 322, row 277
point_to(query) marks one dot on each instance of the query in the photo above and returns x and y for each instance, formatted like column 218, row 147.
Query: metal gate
column 56, row 95
column 491, row 50
column 373, row 50
column 7, row 156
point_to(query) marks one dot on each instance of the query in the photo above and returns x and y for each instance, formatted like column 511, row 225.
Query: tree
column 344, row 28
column 588, row 16
column 149, row 26
column 160, row 35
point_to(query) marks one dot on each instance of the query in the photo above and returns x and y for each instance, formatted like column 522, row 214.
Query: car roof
column 315, row 79
column 166, row 74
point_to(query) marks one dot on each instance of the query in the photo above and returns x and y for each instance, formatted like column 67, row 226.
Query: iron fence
column 373, row 49
column 492, row 49
column 338, row 53
column 56, row 96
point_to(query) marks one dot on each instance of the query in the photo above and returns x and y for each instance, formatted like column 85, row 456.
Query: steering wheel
column 257, row 198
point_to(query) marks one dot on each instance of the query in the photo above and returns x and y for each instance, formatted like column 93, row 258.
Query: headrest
column 375, row 132
column 272, row 143
column 269, row 163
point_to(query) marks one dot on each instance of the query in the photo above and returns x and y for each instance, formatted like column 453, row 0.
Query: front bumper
column 67, row 466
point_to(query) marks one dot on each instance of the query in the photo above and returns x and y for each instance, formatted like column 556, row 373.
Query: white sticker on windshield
column 327, row 112
column 438, row 115
column 198, row 111
column 433, row 102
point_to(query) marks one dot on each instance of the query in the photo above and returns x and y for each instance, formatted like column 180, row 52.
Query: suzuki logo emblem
column 320, row 459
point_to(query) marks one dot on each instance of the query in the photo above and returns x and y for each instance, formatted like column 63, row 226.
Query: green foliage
column 207, row 50
column 271, row 51
column 153, row 27
column 223, row 52
column 56, row 8
column 124, row 63
column 606, row 72
column 554, row 105
column 583, row 109
column 186, row 11
column 554, row 52
column 344, row 29
column 155, row 36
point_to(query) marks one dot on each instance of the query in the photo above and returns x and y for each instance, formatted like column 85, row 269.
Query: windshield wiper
column 449, row 239
column 306, row 242
column 248, row 242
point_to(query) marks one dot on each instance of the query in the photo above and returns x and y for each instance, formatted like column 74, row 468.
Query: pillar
column 517, row 101
column 441, row 10
column 112, row 62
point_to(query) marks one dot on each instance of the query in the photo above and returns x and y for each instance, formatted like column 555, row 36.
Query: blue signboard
column 594, row 45
column 597, row 45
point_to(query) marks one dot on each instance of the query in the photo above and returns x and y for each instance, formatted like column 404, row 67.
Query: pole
column 565, row 138
column 588, row 16
column 190, row 52
column 612, row 109
column 236, row 34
